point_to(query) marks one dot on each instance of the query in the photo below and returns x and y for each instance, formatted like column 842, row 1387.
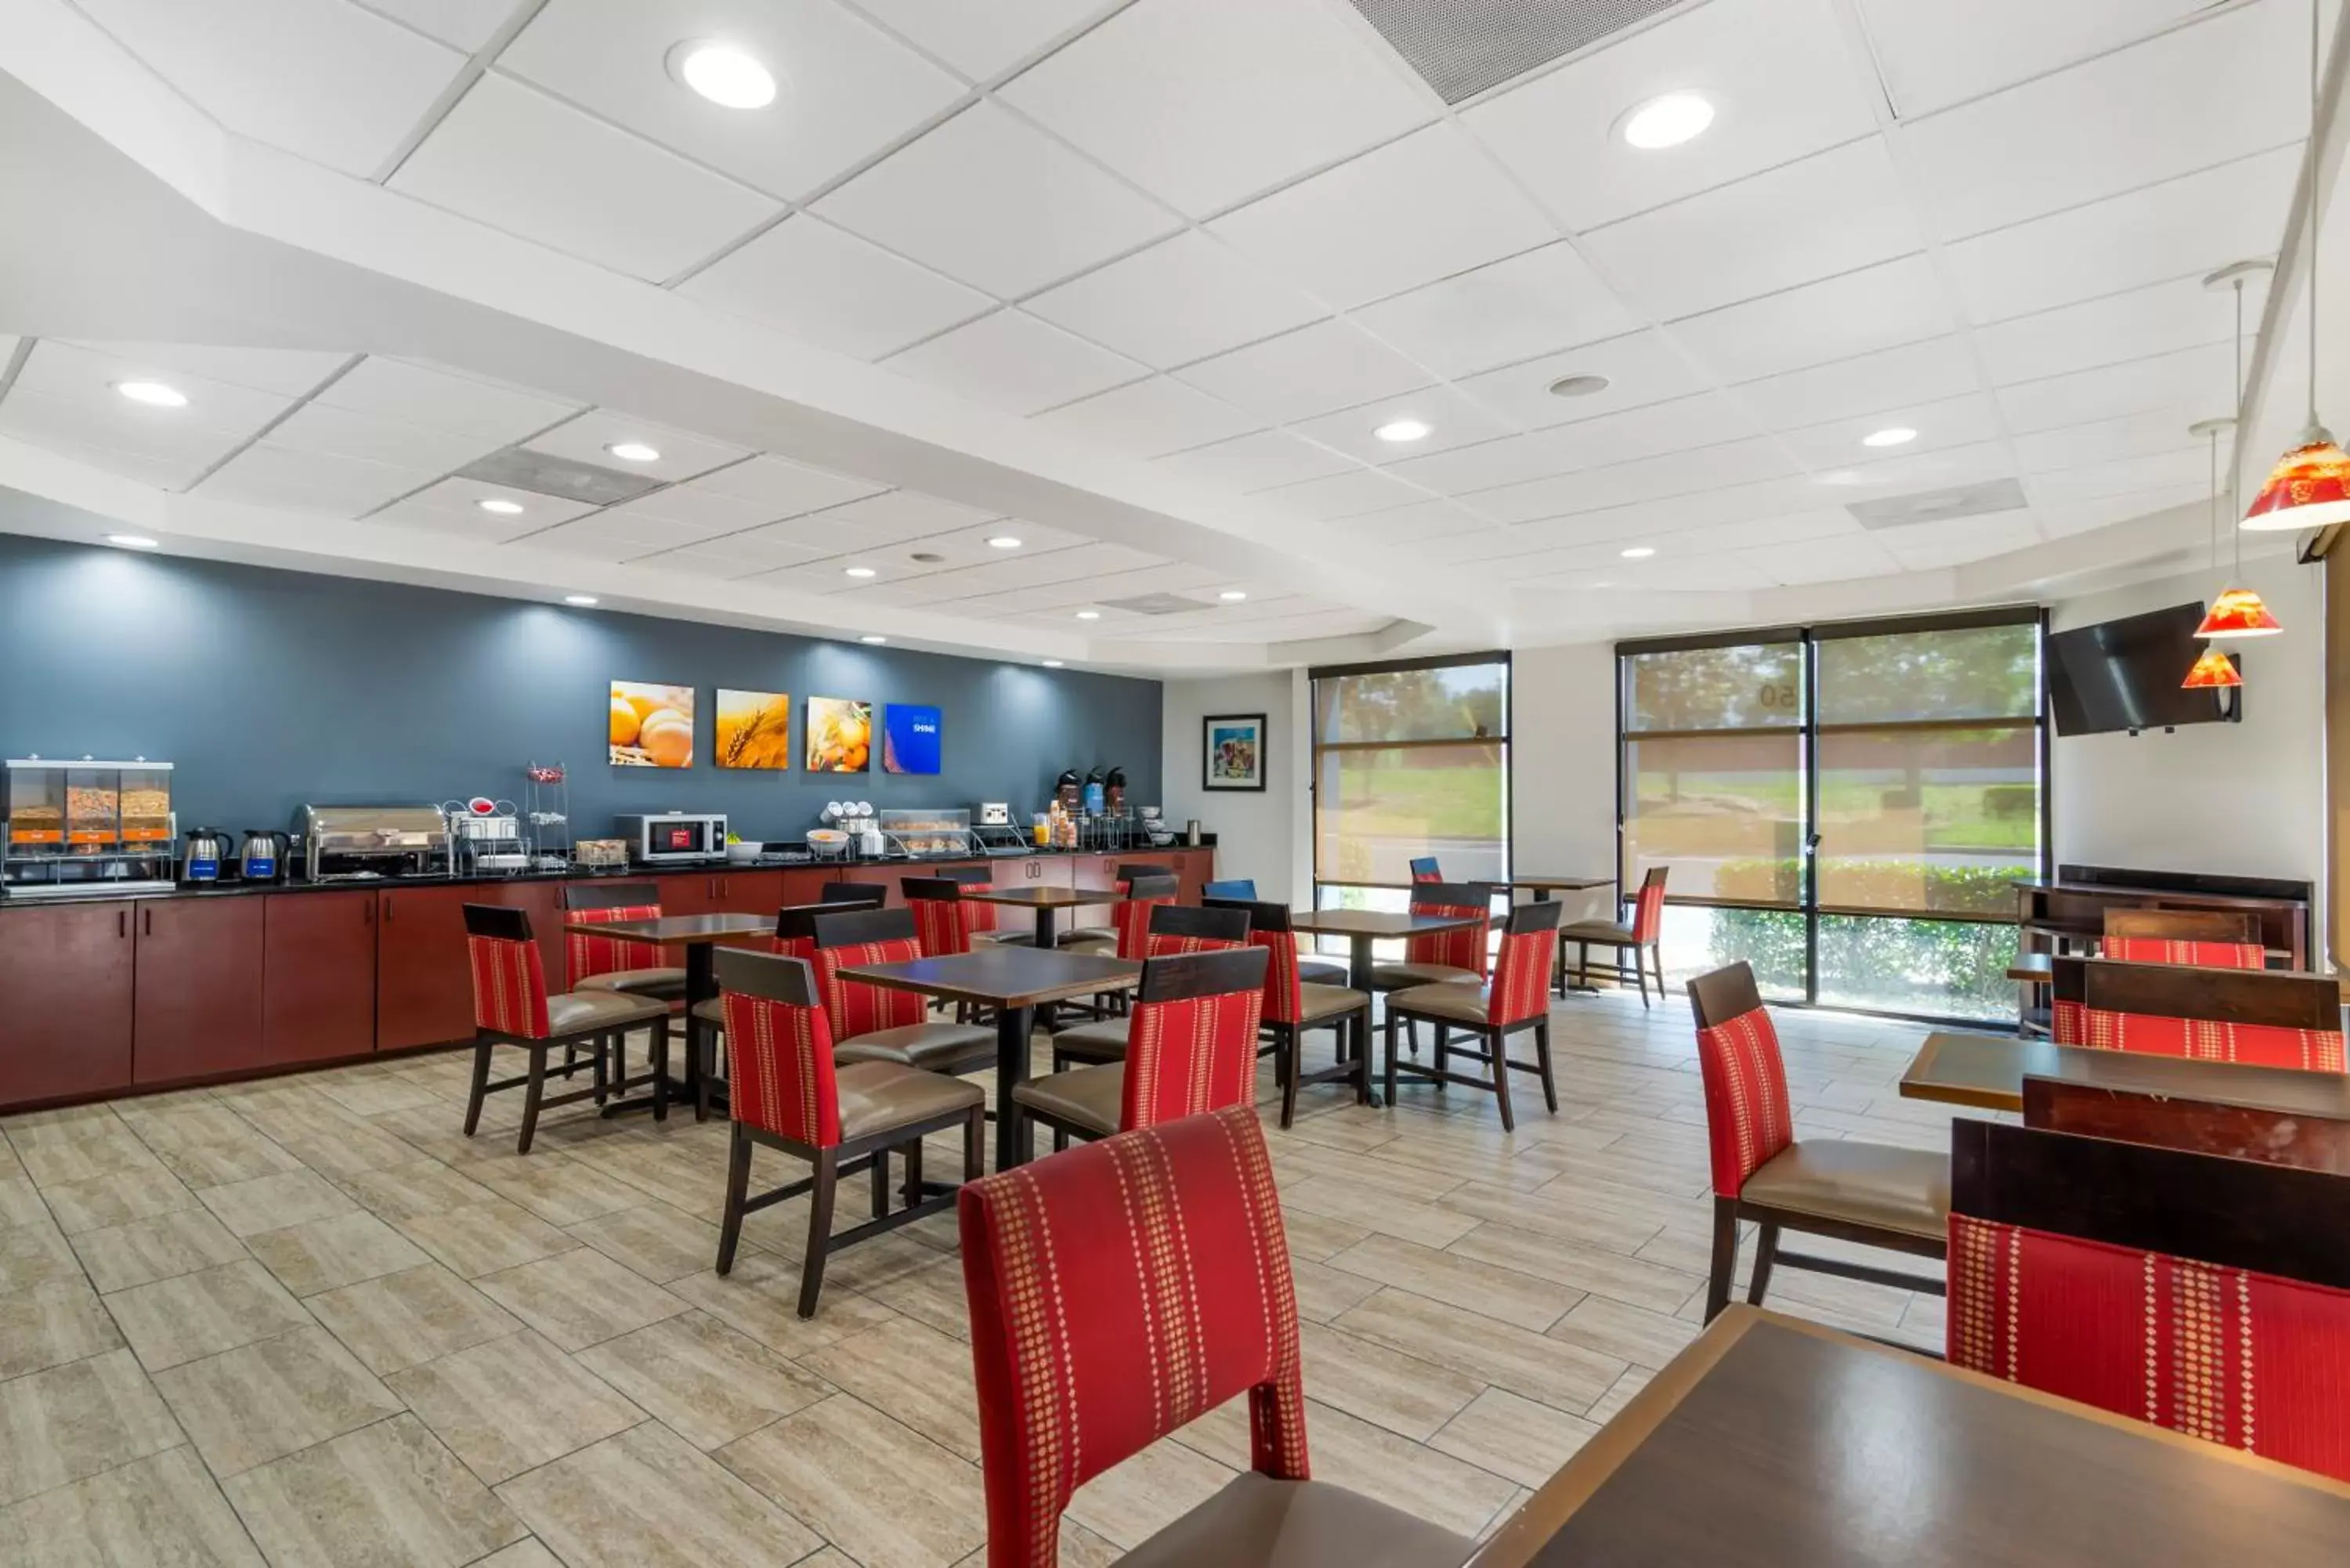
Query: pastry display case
column 927, row 833
column 87, row 827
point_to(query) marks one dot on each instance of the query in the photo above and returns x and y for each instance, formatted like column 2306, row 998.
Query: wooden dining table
column 1014, row 981
column 1988, row 1072
column 1773, row 1442
column 1361, row 928
column 698, row 936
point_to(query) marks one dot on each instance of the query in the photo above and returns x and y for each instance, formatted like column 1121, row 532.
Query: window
column 1409, row 761
column 1845, row 806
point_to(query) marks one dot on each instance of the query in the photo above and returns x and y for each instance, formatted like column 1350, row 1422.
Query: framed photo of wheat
column 755, row 730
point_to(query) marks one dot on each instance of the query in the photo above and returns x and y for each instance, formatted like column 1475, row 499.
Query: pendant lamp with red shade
column 2235, row 612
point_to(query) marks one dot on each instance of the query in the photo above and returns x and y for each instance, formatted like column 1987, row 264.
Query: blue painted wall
column 273, row 688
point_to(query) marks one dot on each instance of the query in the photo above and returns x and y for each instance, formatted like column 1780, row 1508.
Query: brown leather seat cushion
column 1596, row 932
column 579, row 1012
column 669, row 984
column 1451, row 1003
column 878, row 1095
column 1005, row 939
column 1089, row 940
column 1404, row 976
column 1328, row 1002
column 1259, row 1522
column 938, row 1047
column 1102, row 1042
column 1320, row 971
column 712, row 1011
column 1872, row 1184
column 1089, row 1097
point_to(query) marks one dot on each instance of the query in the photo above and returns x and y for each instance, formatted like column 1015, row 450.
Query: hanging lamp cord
column 2236, row 429
column 2316, row 157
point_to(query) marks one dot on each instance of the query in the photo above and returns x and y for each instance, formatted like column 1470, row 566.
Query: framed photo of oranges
column 651, row 726
column 753, row 729
column 840, row 735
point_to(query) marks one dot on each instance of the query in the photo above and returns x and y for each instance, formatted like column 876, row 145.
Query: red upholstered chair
column 941, row 917
column 2205, row 1294
column 788, row 1094
column 1294, row 1008
column 2201, row 955
column 1175, row 929
column 616, row 963
column 1190, row 1047
column 982, row 920
column 512, row 1007
column 1124, row 1289
column 1424, row 868
column 1641, row 938
column 1518, row 1000
column 1875, row 1194
column 871, row 1023
column 2268, row 1018
column 1442, row 957
column 796, row 936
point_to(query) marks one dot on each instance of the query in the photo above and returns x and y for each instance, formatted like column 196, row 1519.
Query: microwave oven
column 674, row 836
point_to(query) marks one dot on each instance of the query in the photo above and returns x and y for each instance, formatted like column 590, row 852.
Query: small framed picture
column 1234, row 751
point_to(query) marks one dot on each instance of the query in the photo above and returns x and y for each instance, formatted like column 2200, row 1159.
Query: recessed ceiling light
column 1052, row 664
column 503, row 508
column 1578, row 386
column 876, row 642
column 856, row 571
column 1401, row 430
column 134, row 540
column 1089, row 615
column 1004, row 542
column 583, row 601
column 155, row 394
column 1667, row 121
column 1232, row 595
column 1639, row 553
column 723, row 73
column 634, row 452
column 1899, row 435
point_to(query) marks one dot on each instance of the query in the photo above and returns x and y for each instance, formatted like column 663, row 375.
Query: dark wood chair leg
column 1725, row 1257
column 1639, row 971
column 974, row 1145
column 880, row 1183
column 738, row 1190
column 1542, row 1056
column 1292, row 1047
column 603, row 1084
column 913, row 1188
column 620, row 1061
column 1411, row 1035
column 1390, row 1071
column 697, row 1047
column 532, row 1093
column 1657, row 956
column 828, row 1177
column 1360, row 1025
column 1497, row 1043
column 481, row 1087
column 659, row 1057
column 1766, row 1252
column 1442, row 1059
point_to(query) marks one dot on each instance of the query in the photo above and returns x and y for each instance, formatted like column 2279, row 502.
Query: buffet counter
column 102, row 996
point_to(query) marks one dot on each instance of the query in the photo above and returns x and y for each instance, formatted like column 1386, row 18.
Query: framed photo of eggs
column 651, row 725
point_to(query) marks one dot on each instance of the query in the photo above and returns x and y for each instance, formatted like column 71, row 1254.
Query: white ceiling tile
column 123, row 440
column 477, row 411
column 986, row 199
column 1955, row 421
column 1180, row 300
column 337, row 85
column 1344, row 494
column 826, row 287
column 266, row 474
column 1150, row 418
column 1256, row 462
column 466, row 24
column 1878, row 308
column 59, row 369
column 844, row 89
column 1695, row 469
column 1487, row 465
column 1778, row 72
column 1641, row 367
column 604, row 537
column 2184, row 228
column 1011, row 362
column 330, row 432
column 288, row 372
column 877, row 520
column 2191, row 383
column 1832, row 212
column 1412, row 212
column 453, row 507
column 981, row 41
column 1419, row 523
column 517, row 159
column 737, row 555
column 1971, row 465
column 2169, row 105
column 1543, row 300
column 683, row 514
column 1936, row 52
column 2181, row 314
column 587, row 438
column 784, row 489
column 2060, row 522
column 1205, row 102
column 1865, row 384
column 1828, row 560
column 2123, row 476
column 2155, row 435
column 1926, row 547
column 1330, row 365
column 1812, row 524
column 1453, row 420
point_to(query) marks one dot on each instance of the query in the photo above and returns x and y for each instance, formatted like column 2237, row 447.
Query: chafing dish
column 347, row 843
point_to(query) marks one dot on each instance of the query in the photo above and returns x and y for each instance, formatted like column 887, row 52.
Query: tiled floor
column 306, row 1322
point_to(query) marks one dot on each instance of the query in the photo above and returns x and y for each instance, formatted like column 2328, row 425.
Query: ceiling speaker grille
column 1463, row 47
column 1158, row 604
column 1939, row 505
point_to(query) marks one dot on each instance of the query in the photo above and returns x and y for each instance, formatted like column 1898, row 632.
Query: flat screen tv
column 2125, row 674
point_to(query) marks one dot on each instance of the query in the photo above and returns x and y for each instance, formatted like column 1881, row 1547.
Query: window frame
column 1315, row 674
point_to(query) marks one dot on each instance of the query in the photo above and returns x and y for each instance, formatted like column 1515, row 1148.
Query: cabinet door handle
column 147, row 921
column 387, row 909
column 366, row 912
column 122, row 923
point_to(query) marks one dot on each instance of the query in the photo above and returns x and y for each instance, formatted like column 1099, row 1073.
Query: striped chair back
column 1269, row 928
column 1749, row 1117
column 1177, row 929
column 851, row 938
column 1649, row 906
column 587, row 956
column 2269, row 1018
column 941, row 917
column 977, row 917
column 1191, row 1046
column 2199, row 955
column 796, row 925
column 509, row 976
column 779, row 1048
column 1520, row 987
column 1132, row 914
column 1461, row 949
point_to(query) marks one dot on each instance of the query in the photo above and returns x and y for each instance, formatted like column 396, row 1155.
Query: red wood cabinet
column 424, row 983
column 318, row 977
column 66, row 974
column 1196, row 869
column 197, row 1009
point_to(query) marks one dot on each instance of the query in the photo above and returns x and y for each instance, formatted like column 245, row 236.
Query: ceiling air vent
column 581, row 482
column 1158, row 603
column 1939, row 505
column 1463, row 47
